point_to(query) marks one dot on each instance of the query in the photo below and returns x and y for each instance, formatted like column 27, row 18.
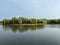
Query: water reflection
column 53, row 25
column 47, row 35
column 22, row 28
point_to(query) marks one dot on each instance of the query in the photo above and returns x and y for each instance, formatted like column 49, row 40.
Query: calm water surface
column 30, row 35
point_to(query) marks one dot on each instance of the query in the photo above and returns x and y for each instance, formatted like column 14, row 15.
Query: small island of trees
column 24, row 21
column 29, row 21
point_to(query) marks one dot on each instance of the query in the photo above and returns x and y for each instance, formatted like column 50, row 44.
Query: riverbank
column 26, row 24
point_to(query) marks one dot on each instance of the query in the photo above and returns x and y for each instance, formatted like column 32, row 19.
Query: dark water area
column 30, row 35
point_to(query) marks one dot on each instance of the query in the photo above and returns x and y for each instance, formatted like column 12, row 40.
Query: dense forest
column 53, row 21
column 22, row 20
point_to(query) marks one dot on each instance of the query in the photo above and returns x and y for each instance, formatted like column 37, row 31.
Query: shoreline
column 25, row 24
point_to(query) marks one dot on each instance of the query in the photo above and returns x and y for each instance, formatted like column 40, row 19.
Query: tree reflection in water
column 22, row 28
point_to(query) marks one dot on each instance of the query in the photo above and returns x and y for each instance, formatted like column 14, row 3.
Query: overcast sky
column 30, row 8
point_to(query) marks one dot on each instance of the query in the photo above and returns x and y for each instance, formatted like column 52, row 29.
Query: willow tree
column 44, row 21
column 14, row 20
column 26, row 21
column 33, row 20
column 41, row 21
column 20, row 20
column 5, row 21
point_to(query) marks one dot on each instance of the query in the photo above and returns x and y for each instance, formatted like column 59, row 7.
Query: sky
column 30, row 8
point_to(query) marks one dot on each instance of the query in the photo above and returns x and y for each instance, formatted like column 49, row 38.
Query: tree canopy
column 22, row 20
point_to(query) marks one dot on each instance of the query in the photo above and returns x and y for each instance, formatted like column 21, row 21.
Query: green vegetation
column 22, row 20
column 30, row 21
column 0, row 22
column 53, row 21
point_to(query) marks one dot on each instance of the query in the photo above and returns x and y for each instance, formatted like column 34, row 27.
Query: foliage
column 53, row 21
column 22, row 20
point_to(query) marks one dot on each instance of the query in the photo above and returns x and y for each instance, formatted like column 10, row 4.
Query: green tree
column 20, row 20
column 33, row 20
column 14, row 20
column 5, row 21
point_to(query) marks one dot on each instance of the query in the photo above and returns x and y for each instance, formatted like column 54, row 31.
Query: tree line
column 22, row 20
column 53, row 21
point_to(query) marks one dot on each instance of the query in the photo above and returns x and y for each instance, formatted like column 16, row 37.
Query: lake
column 30, row 35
